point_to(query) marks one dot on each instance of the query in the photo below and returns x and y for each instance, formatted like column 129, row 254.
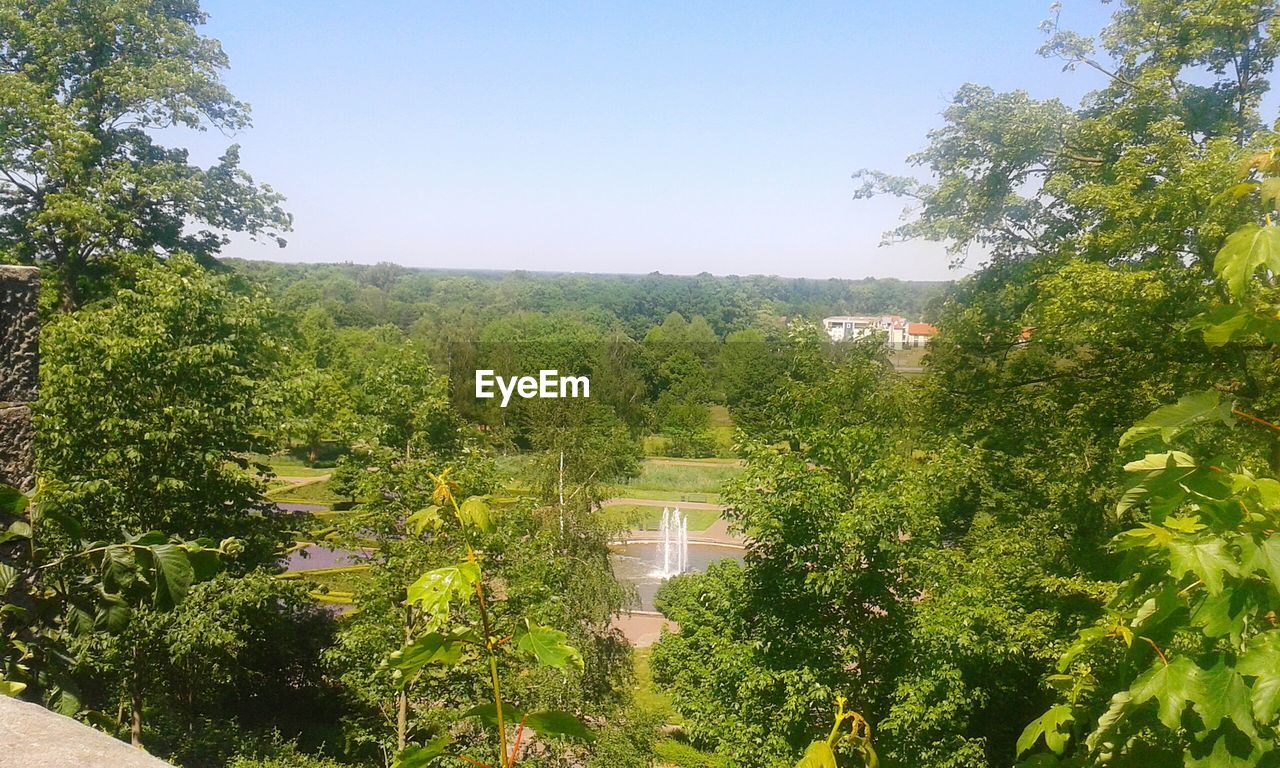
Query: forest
column 1053, row 540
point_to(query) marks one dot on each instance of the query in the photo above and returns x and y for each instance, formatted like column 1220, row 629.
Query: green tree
column 317, row 405
column 149, row 404
column 82, row 178
column 1191, row 629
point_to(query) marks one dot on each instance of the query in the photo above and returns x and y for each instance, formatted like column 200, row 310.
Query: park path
column 696, row 462
column 296, row 482
column 643, row 628
column 662, row 503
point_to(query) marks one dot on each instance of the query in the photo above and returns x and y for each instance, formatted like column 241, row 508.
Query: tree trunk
column 135, row 698
column 402, row 700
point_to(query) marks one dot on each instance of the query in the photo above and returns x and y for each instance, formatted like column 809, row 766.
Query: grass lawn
column 289, row 466
column 647, row 695
column 706, row 477
column 335, row 580
column 647, row 518
column 627, row 491
column 669, row 751
column 311, row 493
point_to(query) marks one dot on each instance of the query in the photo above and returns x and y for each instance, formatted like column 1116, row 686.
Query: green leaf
column 11, row 687
column 427, row 519
column 488, row 714
column 433, row 648
column 174, row 574
column 119, row 567
column 549, row 646
column 435, row 589
column 113, row 613
column 1208, row 558
column 1261, row 660
column 1172, row 685
column 475, row 511
column 419, row 757
column 1245, row 250
column 1171, row 420
column 1050, row 726
column 1264, row 557
column 559, row 724
column 818, row 755
column 8, row 577
column 1226, row 323
column 1224, row 756
column 1226, row 697
column 1155, row 461
column 12, row 501
column 1223, row 615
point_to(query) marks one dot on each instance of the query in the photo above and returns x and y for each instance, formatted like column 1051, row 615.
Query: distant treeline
column 362, row 296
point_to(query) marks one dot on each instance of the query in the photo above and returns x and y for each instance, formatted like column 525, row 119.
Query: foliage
column 436, row 642
column 149, row 403
column 1191, row 628
column 85, row 183
column 51, row 604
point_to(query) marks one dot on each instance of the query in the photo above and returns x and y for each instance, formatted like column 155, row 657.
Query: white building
column 897, row 331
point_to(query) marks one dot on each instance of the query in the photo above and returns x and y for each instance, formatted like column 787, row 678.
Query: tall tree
column 149, row 405
column 84, row 87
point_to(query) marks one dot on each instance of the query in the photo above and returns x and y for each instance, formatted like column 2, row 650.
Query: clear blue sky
column 611, row 137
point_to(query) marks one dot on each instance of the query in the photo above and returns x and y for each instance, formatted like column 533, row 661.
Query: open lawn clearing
column 317, row 492
column 638, row 517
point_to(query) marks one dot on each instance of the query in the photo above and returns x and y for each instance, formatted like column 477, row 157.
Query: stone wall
column 19, row 372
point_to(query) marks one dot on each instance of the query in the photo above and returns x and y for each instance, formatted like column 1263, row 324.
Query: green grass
column 625, row 491
column 649, row 518
column 704, row 477
column 329, row 517
column 289, row 466
column 648, row 696
column 335, row 579
column 680, row 755
column 311, row 493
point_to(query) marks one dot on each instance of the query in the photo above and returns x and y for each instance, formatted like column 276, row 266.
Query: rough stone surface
column 19, row 370
column 16, row 452
column 19, row 334
column 33, row 737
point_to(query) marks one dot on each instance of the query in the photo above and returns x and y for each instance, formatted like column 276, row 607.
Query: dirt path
column 662, row 503
column 696, row 462
column 296, row 482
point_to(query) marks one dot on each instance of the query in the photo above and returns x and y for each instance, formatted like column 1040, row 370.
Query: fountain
column 675, row 543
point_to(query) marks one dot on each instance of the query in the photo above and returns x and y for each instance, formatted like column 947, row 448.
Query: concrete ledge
column 33, row 737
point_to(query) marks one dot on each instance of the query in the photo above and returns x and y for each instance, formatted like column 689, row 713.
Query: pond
column 640, row 565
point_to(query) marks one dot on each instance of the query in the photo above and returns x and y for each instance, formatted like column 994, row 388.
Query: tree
column 53, row 605
column 150, row 403
column 317, row 406
column 85, row 85
column 1191, row 628
column 490, row 634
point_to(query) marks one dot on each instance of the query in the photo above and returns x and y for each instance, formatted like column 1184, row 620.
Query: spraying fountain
column 675, row 542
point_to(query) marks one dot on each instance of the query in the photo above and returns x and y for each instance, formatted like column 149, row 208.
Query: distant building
column 918, row 334
column 898, row 333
